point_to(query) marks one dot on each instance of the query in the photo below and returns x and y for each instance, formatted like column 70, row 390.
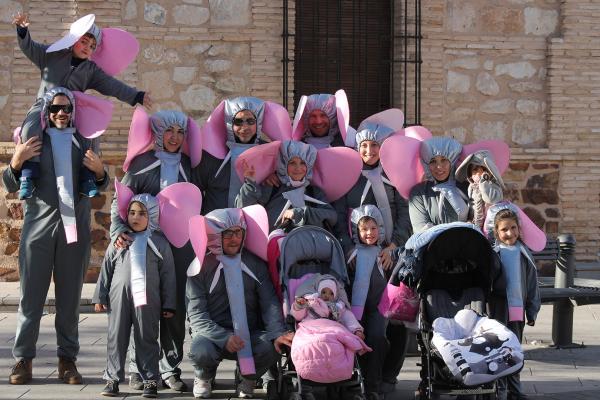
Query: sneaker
column 202, row 388
column 246, row 388
column 135, row 381
column 111, row 389
column 150, row 389
column 175, row 383
column 67, row 371
column 25, row 188
column 88, row 188
column 21, row 373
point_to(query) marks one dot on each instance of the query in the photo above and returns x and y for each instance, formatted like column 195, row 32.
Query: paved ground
column 548, row 374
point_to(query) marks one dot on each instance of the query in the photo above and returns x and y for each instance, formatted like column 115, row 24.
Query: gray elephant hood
column 359, row 213
column 162, row 121
column 440, row 146
column 220, row 220
column 233, row 106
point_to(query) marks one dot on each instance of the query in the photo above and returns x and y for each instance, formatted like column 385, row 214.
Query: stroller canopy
column 459, row 257
column 311, row 249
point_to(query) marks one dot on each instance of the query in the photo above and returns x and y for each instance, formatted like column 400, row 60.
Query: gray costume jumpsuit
column 215, row 178
column 56, row 70
column 140, row 180
column 392, row 359
column 211, row 323
column 274, row 199
column 209, row 312
column 432, row 203
column 114, row 290
column 44, row 253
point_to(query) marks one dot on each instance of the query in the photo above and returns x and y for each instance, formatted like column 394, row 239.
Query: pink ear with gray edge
column 276, row 122
column 140, row 136
column 192, row 146
column 392, row 118
column 262, row 157
column 257, row 230
column 214, row 133
column 123, row 194
column 298, row 127
column 199, row 240
column 500, row 151
column 400, row 159
column 92, row 114
column 343, row 112
column 178, row 203
column 326, row 171
column 417, row 132
column 118, row 49
column 16, row 134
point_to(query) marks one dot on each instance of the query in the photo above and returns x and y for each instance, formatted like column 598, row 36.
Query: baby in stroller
column 311, row 274
column 325, row 303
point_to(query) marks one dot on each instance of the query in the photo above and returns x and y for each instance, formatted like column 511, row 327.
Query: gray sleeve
column 167, row 279
column 341, row 226
column 491, row 192
column 533, row 301
column 250, row 194
column 270, row 306
column 36, row 52
column 402, row 226
column 196, row 293
column 417, row 210
column 102, row 291
column 316, row 214
column 109, row 86
column 10, row 180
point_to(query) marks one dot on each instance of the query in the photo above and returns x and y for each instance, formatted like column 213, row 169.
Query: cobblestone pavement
column 572, row 374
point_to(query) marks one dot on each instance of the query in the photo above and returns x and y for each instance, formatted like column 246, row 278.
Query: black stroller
column 459, row 270
column 303, row 252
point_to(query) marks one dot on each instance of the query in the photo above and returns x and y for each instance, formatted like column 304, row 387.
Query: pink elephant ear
column 118, row 49
column 17, row 134
column 257, row 230
column 124, row 195
column 178, row 203
column 262, row 157
column 336, row 170
column 417, row 132
column 298, row 127
column 343, row 112
column 199, row 240
column 193, row 143
column 500, row 151
column 276, row 122
column 392, row 118
column 214, row 133
column 531, row 235
column 140, row 136
column 400, row 160
column 92, row 114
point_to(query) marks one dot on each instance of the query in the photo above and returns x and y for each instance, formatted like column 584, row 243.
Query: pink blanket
column 323, row 351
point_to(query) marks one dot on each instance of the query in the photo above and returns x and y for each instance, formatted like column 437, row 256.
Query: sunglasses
column 228, row 234
column 241, row 121
column 55, row 108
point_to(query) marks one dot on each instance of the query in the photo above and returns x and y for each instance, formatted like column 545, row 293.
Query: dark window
column 355, row 45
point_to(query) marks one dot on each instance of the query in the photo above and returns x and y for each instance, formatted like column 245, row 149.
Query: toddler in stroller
column 309, row 255
column 457, row 269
